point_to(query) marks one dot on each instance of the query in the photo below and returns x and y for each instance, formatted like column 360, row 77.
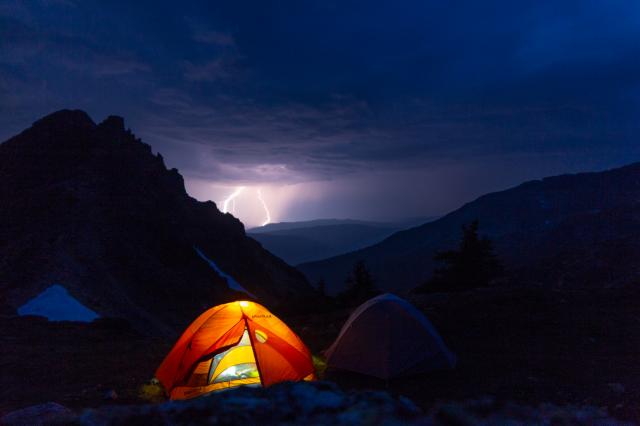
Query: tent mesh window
column 236, row 363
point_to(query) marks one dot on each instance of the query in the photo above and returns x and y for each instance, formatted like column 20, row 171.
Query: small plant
column 320, row 365
column 152, row 391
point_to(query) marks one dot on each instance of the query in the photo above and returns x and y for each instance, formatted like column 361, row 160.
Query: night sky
column 368, row 110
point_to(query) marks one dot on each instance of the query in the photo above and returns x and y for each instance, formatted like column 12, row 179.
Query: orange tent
column 238, row 343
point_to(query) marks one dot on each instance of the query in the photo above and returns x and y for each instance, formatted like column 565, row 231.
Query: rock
column 616, row 387
column 455, row 414
column 111, row 395
column 41, row 414
column 491, row 413
column 318, row 403
column 324, row 403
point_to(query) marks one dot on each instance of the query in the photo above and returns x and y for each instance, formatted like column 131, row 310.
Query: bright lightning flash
column 266, row 209
column 230, row 198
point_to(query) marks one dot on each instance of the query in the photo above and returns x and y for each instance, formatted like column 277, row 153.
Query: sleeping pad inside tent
column 238, row 343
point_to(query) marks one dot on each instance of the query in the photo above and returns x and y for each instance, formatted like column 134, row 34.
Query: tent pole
column 253, row 349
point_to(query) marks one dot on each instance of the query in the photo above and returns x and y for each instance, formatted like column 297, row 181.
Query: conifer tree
column 359, row 285
column 472, row 265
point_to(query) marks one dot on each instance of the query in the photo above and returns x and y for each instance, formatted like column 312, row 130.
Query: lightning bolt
column 231, row 198
column 266, row 209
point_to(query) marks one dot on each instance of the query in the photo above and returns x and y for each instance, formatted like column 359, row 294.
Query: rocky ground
column 319, row 403
column 522, row 352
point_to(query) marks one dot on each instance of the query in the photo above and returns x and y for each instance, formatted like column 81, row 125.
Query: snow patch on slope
column 56, row 304
column 231, row 283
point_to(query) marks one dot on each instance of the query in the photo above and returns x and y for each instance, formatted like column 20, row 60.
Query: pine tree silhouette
column 360, row 285
column 474, row 264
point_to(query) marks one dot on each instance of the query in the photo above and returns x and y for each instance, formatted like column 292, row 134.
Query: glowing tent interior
column 238, row 343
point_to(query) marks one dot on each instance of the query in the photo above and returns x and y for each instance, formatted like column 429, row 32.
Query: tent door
column 237, row 363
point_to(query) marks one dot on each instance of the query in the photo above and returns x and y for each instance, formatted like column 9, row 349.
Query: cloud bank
column 339, row 109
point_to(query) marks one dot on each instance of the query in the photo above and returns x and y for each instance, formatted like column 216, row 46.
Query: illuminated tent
column 238, row 343
column 387, row 337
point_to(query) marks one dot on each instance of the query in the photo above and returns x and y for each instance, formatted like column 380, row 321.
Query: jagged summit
column 91, row 208
column 69, row 124
column 114, row 123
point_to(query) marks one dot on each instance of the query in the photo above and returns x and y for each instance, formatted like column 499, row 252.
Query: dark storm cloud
column 293, row 92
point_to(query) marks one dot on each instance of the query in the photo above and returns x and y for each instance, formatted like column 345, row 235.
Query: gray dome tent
column 388, row 337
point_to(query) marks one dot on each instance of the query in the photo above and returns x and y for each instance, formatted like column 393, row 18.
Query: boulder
column 49, row 413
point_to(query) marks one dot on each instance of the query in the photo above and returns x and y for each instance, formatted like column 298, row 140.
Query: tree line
column 472, row 264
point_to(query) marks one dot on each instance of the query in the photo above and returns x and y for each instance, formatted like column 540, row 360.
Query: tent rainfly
column 387, row 337
column 238, row 343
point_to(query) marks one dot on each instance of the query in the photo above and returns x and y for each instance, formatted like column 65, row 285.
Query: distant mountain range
column 88, row 207
column 569, row 230
column 297, row 242
column 303, row 224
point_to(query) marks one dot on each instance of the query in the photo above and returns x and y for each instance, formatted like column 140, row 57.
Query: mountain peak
column 112, row 129
column 91, row 208
column 66, row 118
column 113, row 123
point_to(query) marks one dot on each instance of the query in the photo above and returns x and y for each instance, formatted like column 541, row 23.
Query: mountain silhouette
column 568, row 230
column 306, row 241
column 89, row 207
